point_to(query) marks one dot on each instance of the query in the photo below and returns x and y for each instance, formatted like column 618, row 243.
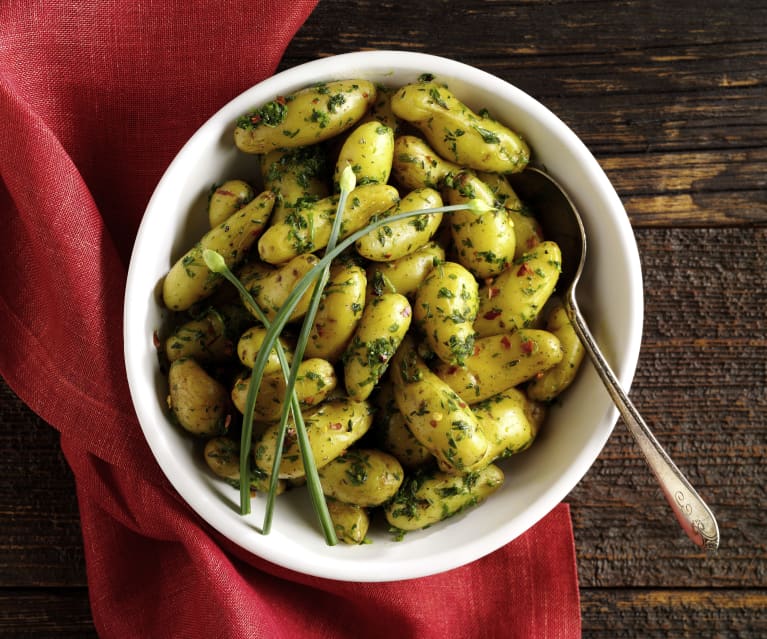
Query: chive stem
column 310, row 467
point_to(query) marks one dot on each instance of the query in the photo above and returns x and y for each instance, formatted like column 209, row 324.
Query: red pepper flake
column 462, row 404
column 255, row 118
column 527, row 346
column 281, row 100
column 335, row 426
column 506, row 342
column 476, row 349
column 433, row 423
column 383, row 357
column 491, row 315
column 155, row 339
column 227, row 422
column 405, row 312
column 493, row 291
column 524, row 270
column 453, row 370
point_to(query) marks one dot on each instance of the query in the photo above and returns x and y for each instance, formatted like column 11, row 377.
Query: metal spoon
column 562, row 223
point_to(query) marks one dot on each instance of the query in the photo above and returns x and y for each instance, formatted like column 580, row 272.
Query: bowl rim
column 376, row 62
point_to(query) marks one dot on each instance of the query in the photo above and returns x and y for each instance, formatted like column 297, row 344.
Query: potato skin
column 516, row 297
column 226, row 199
column 203, row 338
column 316, row 380
column 500, row 362
column 332, row 428
column 189, row 279
column 555, row 380
column 307, row 229
column 369, row 150
column 404, row 275
column 427, row 498
column 270, row 287
column 398, row 239
column 510, row 421
column 385, row 322
column 436, row 415
column 456, row 132
column 249, row 345
column 305, row 117
column 527, row 230
column 380, row 110
column 295, row 176
column 392, row 434
column 445, row 308
column 222, row 454
column 416, row 165
column 351, row 522
column 362, row 476
column 199, row 402
column 339, row 313
column 485, row 243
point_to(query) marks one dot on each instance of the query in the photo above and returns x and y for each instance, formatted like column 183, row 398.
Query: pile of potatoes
column 438, row 342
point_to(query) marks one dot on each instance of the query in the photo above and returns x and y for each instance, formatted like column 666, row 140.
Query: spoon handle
column 693, row 514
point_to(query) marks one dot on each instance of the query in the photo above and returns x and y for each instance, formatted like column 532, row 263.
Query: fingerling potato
column 516, row 297
column 416, row 165
column 436, row 415
column 368, row 149
column 315, row 381
column 527, row 229
column 427, row 498
column 271, row 287
column 222, row 454
column 400, row 238
column 405, row 274
column 190, row 280
column 456, row 132
column 331, row 428
column 445, row 308
column 226, row 199
column 351, row 522
column 384, row 323
column 510, row 421
column 306, row 117
column 555, row 380
column 199, row 402
column 500, row 362
column 249, row 346
column 296, row 176
column 204, row 338
column 484, row 243
column 365, row 477
column 339, row 313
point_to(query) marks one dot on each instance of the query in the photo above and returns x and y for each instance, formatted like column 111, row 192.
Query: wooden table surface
column 670, row 97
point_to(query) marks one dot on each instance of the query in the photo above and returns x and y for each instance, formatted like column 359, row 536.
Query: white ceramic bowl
column 537, row 480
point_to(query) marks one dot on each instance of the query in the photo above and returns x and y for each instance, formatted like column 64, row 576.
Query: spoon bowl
column 562, row 223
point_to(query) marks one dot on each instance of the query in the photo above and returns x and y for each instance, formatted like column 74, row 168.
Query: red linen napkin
column 96, row 97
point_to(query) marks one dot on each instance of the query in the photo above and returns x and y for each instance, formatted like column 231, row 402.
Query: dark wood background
column 670, row 97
